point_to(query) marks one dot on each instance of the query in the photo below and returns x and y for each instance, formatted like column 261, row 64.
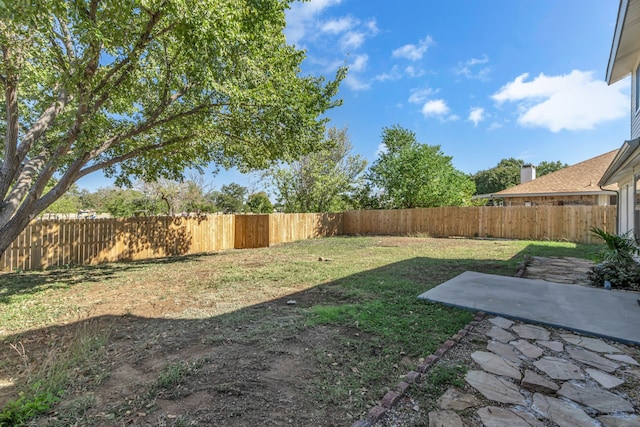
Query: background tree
column 413, row 175
column 259, row 203
column 507, row 174
column 69, row 203
column 118, row 202
column 230, row 198
column 504, row 175
column 143, row 89
column 545, row 167
column 323, row 181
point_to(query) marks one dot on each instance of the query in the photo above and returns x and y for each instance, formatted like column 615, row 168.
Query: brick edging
column 392, row 397
column 522, row 267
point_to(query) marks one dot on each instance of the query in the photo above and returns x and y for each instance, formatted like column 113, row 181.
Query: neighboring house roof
column 625, row 48
column 628, row 154
column 579, row 179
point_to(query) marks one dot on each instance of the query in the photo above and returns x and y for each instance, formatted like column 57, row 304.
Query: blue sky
column 484, row 79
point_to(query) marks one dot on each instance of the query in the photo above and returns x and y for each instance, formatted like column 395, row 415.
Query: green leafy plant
column 28, row 405
column 621, row 248
column 617, row 265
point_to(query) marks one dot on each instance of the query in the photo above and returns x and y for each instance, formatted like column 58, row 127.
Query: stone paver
column 531, row 332
column 592, row 359
column 605, row 380
column 503, row 350
column 535, row 382
column 525, row 347
column 562, row 413
column 495, row 364
column 455, row 399
column 619, row 421
column 501, row 322
column 552, row 345
column 499, row 334
column 601, row 400
column 623, row 358
column 559, row 369
column 445, row 419
column 493, row 416
column 593, row 344
column 494, row 388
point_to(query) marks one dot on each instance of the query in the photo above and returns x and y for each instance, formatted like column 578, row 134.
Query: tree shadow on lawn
column 319, row 361
column 33, row 282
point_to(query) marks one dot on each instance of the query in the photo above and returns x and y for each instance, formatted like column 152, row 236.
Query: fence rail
column 50, row 243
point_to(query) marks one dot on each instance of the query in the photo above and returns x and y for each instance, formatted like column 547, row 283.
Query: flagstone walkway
column 524, row 375
column 532, row 376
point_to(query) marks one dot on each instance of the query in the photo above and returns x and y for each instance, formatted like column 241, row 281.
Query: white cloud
column 337, row 26
column 476, row 115
column 355, row 83
column 470, row 70
column 372, row 26
column 392, row 75
column 418, row 96
column 301, row 17
column 573, row 101
column 360, row 63
column 495, row 125
column 413, row 52
column 352, row 40
column 382, row 148
column 412, row 71
column 435, row 107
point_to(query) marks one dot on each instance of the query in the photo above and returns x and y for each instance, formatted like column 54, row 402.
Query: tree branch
column 134, row 153
column 128, row 62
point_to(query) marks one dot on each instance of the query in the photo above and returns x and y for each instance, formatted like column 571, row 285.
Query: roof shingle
column 580, row 178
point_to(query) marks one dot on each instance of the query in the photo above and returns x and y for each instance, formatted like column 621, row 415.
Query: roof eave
column 622, row 13
column 627, row 150
column 549, row 194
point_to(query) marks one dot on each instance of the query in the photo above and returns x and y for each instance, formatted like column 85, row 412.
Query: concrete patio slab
column 593, row 311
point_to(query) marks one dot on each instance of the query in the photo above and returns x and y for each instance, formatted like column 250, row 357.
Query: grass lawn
column 307, row 333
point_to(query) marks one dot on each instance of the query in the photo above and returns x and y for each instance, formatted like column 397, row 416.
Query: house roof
column 580, row 179
column 625, row 48
column 627, row 154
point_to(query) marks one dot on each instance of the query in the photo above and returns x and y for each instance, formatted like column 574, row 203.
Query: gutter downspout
column 617, row 208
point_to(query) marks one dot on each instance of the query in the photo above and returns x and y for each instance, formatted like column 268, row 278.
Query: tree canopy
column 321, row 181
column 144, row 88
column 411, row 175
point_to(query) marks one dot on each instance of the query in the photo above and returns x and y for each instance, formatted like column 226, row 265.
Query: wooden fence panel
column 299, row 226
column 251, row 231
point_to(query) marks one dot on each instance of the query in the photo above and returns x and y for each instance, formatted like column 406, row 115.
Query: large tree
column 143, row 89
column 410, row 174
column 322, row 181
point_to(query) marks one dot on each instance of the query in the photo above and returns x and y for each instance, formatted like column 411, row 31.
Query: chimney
column 527, row 173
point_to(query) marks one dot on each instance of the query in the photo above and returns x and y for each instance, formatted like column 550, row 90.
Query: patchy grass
column 279, row 333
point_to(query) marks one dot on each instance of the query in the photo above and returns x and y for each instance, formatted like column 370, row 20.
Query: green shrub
column 621, row 275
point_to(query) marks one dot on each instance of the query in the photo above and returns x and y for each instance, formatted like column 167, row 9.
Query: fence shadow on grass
column 33, row 282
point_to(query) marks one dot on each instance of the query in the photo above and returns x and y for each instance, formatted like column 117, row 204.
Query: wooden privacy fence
column 570, row 223
column 49, row 243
